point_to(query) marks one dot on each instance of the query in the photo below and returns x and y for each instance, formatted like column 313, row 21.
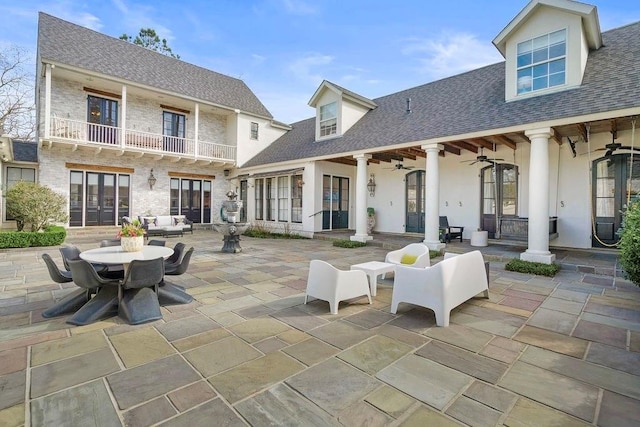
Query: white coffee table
column 373, row 270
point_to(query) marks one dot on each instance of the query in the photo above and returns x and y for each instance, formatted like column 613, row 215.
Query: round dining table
column 112, row 255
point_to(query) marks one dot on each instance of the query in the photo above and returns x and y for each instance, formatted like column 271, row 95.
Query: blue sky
column 283, row 49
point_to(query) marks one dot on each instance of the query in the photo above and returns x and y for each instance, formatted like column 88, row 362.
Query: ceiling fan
column 481, row 158
column 613, row 146
column 400, row 166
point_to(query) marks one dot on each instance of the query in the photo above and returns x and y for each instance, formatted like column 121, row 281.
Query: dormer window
column 329, row 119
column 542, row 62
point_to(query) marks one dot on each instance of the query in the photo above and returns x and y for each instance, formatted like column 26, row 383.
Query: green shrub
column 433, row 254
column 30, row 203
column 529, row 267
column 260, row 232
column 630, row 243
column 344, row 243
column 52, row 236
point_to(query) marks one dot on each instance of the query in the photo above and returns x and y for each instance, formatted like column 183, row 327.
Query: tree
column 36, row 205
column 17, row 107
column 630, row 243
column 149, row 39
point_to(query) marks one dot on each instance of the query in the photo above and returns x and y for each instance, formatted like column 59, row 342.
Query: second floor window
column 542, row 62
column 328, row 119
column 254, row 130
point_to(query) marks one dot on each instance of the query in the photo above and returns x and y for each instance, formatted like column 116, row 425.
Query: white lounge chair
column 413, row 255
column 443, row 286
column 330, row 284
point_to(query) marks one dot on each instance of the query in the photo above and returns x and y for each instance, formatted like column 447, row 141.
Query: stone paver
column 253, row 376
column 85, row 405
column 141, row 346
column 557, row 349
column 64, row 373
column 375, row 354
column 281, row 406
column 333, row 385
column 150, row 380
column 563, row 393
column 425, row 380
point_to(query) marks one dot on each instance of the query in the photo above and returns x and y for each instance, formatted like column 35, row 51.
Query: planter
column 371, row 222
column 132, row 244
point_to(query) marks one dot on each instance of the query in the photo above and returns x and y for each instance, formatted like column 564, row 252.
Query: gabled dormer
column 337, row 109
column 546, row 47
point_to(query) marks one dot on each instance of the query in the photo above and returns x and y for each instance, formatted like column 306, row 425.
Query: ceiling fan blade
column 473, row 162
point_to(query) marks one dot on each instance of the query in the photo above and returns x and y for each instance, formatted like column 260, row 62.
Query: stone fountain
column 232, row 229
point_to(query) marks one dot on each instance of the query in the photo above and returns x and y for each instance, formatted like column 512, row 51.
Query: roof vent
column 408, row 105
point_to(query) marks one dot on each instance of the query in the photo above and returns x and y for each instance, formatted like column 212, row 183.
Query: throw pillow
column 151, row 221
column 408, row 259
column 178, row 220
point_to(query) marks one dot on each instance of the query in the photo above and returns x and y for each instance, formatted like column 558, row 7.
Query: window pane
column 539, row 42
column 540, row 83
column 525, row 80
column 524, row 47
column 540, row 70
column 524, row 59
column 557, row 50
column 558, row 36
column 556, row 79
column 556, row 66
column 540, row 55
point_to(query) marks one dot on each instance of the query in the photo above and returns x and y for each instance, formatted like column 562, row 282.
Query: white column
column 432, row 198
column 361, row 198
column 123, row 121
column 196, row 125
column 538, row 249
column 47, row 101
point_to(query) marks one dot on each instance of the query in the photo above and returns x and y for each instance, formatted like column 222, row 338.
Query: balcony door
column 102, row 116
column 173, row 131
column 191, row 198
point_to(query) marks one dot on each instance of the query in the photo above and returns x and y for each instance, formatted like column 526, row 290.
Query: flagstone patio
column 247, row 351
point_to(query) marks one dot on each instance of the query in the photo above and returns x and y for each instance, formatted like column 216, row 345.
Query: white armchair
column 442, row 287
column 413, row 255
column 327, row 283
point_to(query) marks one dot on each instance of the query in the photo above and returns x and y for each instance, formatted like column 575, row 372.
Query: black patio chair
column 106, row 272
column 69, row 303
column 450, row 231
column 156, row 242
column 176, row 256
column 138, row 294
column 109, row 242
column 105, row 301
column 168, row 292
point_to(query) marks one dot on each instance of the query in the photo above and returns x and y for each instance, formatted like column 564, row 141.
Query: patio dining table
column 114, row 255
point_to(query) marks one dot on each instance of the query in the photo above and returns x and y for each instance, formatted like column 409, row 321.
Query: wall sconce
column 371, row 185
column 151, row 180
column 226, row 172
column 299, row 182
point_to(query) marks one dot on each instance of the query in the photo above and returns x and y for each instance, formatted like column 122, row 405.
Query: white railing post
column 196, row 136
column 123, row 122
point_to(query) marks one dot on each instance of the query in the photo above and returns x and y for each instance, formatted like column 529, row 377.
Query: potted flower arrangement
column 131, row 236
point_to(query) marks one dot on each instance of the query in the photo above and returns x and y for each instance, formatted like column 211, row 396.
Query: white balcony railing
column 91, row 133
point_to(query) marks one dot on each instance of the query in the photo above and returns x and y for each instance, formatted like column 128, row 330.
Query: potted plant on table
column 131, row 236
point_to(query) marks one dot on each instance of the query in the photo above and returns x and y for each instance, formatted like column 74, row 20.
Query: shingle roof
column 25, row 151
column 473, row 102
column 63, row 42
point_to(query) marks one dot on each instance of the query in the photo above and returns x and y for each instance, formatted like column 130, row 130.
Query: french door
column 615, row 181
column 191, row 198
column 499, row 195
column 414, row 191
column 100, row 199
column 335, row 202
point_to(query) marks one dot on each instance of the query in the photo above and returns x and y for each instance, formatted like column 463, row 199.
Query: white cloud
column 310, row 67
column 298, row 7
column 451, row 53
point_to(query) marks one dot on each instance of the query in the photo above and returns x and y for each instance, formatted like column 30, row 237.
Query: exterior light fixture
column 151, row 180
column 226, row 172
column 371, row 185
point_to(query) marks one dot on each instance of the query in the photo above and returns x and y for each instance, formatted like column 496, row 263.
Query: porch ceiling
column 575, row 131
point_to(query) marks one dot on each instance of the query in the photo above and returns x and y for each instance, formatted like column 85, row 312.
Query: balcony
column 78, row 133
column 516, row 228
